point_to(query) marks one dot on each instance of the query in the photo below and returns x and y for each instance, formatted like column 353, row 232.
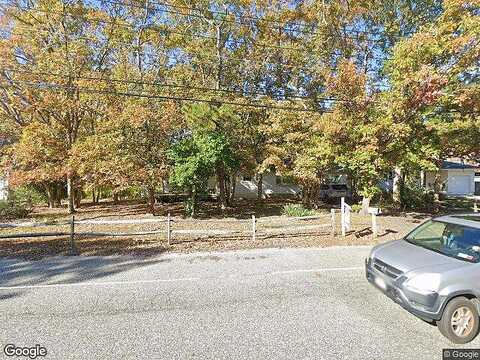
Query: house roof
column 452, row 165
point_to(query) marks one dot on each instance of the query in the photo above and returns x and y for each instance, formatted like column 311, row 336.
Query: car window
column 448, row 239
column 339, row 187
column 430, row 233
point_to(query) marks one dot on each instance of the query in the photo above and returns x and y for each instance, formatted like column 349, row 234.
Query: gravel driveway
column 252, row 304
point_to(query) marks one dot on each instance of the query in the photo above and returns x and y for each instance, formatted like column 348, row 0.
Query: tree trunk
column 221, row 186
column 306, row 195
column 115, row 198
column 260, row 186
column 396, row 185
column 233, row 184
column 151, row 200
column 70, row 195
column 78, row 198
column 353, row 188
column 50, row 196
column 227, row 190
column 194, row 202
column 98, row 197
column 436, row 186
column 58, row 194
column 94, row 198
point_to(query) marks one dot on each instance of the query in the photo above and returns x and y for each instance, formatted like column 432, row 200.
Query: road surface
column 255, row 304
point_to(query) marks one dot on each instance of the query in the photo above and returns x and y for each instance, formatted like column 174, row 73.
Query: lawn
column 309, row 232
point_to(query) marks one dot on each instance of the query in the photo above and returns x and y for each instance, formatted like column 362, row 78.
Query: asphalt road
column 257, row 304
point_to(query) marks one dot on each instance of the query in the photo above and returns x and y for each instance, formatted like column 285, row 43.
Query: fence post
column 169, row 232
column 254, row 230
column 342, row 215
column 73, row 248
column 475, row 206
column 332, row 211
column 374, row 225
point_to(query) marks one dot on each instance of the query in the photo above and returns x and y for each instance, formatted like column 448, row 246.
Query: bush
column 134, row 193
column 11, row 210
column 297, row 210
column 188, row 207
column 356, row 208
column 28, row 196
column 415, row 197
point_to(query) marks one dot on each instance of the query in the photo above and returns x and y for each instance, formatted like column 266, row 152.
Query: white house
column 456, row 178
column 247, row 186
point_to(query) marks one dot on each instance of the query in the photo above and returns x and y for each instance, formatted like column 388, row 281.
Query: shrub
column 415, row 197
column 11, row 210
column 134, row 192
column 188, row 207
column 356, row 208
column 28, row 196
column 297, row 210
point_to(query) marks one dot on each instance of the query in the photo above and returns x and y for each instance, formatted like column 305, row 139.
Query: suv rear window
column 339, row 187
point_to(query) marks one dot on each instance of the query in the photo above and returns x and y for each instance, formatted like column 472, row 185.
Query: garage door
column 459, row 184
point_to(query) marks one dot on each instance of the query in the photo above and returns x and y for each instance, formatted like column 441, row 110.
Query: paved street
column 257, row 304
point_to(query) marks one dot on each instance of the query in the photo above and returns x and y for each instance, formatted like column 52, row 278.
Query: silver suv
column 434, row 273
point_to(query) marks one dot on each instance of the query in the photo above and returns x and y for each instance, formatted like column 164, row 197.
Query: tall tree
column 52, row 49
column 435, row 89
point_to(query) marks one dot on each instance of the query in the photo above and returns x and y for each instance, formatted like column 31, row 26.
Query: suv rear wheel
column 459, row 322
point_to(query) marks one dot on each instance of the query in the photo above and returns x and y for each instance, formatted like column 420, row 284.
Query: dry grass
column 210, row 218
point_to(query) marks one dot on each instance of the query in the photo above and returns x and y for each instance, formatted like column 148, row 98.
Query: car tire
column 460, row 321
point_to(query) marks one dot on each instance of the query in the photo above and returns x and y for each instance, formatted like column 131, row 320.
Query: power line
column 171, row 31
column 281, row 24
column 236, row 41
column 180, row 86
column 162, row 84
column 172, row 57
column 53, row 86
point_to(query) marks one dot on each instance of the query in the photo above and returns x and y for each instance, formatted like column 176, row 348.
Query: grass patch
column 297, row 210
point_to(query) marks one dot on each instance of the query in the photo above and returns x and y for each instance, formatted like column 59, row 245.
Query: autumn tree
column 434, row 87
column 54, row 50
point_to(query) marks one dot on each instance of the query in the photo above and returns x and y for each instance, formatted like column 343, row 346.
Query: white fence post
column 254, row 230
column 169, row 232
column 374, row 225
column 332, row 211
column 346, row 217
column 475, row 206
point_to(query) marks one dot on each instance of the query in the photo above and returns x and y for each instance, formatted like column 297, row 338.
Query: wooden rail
column 252, row 231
